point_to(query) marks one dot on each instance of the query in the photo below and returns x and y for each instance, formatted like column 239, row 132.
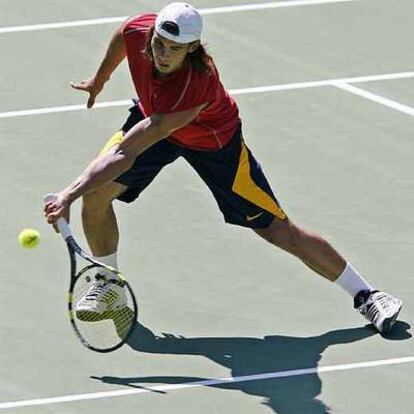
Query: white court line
column 327, row 82
column 375, row 98
column 244, row 91
column 213, row 10
column 204, row 383
column 66, row 108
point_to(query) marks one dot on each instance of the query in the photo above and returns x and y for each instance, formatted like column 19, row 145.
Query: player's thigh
column 135, row 116
column 129, row 185
column 101, row 197
column 281, row 233
column 238, row 184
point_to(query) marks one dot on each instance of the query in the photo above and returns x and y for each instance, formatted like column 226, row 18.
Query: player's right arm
column 106, row 167
column 115, row 54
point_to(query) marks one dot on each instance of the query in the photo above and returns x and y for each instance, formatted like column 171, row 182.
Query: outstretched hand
column 91, row 86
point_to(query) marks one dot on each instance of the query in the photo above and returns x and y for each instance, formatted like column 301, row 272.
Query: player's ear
column 193, row 46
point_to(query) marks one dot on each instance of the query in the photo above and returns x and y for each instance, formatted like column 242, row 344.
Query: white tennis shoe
column 101, row 297
column 380, row 308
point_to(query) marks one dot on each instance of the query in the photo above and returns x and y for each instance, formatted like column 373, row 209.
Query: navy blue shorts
column 232, row 174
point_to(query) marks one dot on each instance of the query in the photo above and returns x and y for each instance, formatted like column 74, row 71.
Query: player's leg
column 309, row 247
column 99, row 220
column 246, row 199
column 101, row 232
column 98, row 216
column 378, row 307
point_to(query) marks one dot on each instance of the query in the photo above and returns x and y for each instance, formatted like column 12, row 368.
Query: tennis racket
column 102, row 309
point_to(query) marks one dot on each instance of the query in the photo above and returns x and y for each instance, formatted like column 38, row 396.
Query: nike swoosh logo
column 250, row 218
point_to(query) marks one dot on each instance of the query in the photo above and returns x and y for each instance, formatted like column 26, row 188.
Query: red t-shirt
column 182, row 90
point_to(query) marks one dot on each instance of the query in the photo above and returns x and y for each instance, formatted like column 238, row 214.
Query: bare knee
column 94, row 202
column 100, row 200
column 283, row 234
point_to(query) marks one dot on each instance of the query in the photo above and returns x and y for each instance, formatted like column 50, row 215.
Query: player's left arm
column 106, row 167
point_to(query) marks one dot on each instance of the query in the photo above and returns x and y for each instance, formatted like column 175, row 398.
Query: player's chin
column 162, row 68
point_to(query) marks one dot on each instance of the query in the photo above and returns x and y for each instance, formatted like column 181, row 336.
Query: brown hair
column 199, row 59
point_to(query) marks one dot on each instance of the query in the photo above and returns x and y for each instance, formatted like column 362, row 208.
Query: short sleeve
column 138, row 23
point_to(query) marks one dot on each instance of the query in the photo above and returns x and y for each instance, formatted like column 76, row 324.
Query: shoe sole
column 389, row 322
column 91, row 316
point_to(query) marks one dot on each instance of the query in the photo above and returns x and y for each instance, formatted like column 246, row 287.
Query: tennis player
column 183, row 110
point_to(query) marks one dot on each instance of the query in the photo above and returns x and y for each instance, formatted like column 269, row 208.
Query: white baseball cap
column 179, row 22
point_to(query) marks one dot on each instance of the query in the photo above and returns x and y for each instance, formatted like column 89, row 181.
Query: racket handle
column 61, row 224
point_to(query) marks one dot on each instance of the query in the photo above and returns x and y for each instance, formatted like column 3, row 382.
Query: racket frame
column 73, row 250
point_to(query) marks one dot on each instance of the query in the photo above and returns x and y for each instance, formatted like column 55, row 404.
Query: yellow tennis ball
column 29, row 238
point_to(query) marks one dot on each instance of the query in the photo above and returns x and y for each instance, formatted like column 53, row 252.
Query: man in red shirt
column 183, row 110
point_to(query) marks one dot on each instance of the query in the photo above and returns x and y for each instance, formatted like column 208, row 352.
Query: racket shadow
column 250, row 356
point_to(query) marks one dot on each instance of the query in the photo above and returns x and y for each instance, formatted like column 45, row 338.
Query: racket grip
column 61, row 224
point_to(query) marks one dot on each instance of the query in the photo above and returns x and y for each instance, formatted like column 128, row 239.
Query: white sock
column 110, row 260
column 351, row 281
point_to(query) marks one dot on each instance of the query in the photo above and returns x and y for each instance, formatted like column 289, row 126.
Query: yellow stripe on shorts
column 245, row 187
column 114, row 140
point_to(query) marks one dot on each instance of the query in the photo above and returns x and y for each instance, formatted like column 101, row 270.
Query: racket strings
column 104, row 311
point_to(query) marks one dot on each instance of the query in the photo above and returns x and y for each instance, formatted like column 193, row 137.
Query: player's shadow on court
column 296, row 394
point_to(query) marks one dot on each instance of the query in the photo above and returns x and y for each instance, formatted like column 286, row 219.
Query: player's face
column 169, row 56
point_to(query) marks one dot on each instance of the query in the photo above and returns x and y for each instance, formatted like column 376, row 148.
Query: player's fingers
column 82, row 86
column 49, row 207
column 54, row 216
column 50, row 219
column 53, row 223
column 50, row 215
